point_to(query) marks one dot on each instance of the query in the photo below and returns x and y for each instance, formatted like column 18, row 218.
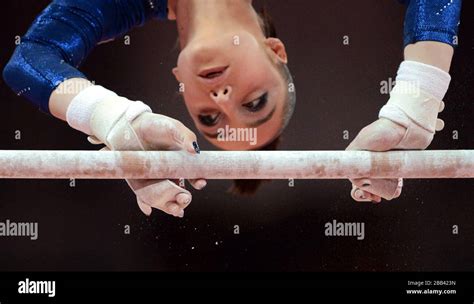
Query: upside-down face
column 231, row 83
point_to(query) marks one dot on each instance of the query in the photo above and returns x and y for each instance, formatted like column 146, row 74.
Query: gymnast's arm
column 44, row 69
column 410, row 118
column 430, row 31
column 430, row 36
column 59, row 41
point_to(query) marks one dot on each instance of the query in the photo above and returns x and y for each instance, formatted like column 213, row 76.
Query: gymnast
column 232, row 69
column 409, row 120
column 234, row 73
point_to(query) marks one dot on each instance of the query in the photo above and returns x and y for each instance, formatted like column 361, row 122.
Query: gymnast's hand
column 158, row 132
column 381, row 135
column 122, row 124
column 408, row 121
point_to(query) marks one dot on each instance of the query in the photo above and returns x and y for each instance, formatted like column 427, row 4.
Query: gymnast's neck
column 207, row 18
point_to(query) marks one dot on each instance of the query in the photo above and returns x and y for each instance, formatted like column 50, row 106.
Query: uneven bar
column 236, row 164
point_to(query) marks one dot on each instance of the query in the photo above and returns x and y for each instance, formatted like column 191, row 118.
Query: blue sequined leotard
column 64, row 34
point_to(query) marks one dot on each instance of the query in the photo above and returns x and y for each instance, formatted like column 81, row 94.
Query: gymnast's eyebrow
column 251, row 125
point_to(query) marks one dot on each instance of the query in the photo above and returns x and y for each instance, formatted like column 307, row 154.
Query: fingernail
column 196, row 147
column 180, row 213
column 184, row 199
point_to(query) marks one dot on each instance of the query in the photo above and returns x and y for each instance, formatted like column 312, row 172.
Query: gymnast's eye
column 209, row 120
column 257, row 104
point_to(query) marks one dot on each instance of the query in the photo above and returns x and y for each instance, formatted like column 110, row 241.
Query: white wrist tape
column 106, row 117
column 415, row 102
column 429, row 79
column 80, row 110
column 111, row 123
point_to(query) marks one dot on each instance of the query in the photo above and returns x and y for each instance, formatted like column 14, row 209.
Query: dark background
column 281, row 228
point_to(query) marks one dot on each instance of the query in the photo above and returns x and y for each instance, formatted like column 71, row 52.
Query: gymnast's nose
column 222, row 94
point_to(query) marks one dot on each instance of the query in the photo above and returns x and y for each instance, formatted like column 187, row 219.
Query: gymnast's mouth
column 213, row 73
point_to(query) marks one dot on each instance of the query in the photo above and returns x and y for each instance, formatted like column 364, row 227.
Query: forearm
column 59, row 41
column 63, row 95
column 421, row 85
column 434, row 53
column 430, row 31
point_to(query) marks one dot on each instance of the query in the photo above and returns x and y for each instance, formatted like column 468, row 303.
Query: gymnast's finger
column 375, row 198
column 160, row 132
column 385, row 188
column 360, row 195
column 156, row 193
column 146, row 209
column 183, row 200
column 159, row 194
column 174, row 209
column 198, row 184
column 185, row 138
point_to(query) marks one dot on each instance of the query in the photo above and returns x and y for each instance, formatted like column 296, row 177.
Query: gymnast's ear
column 278, row 48
column 176, row 73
